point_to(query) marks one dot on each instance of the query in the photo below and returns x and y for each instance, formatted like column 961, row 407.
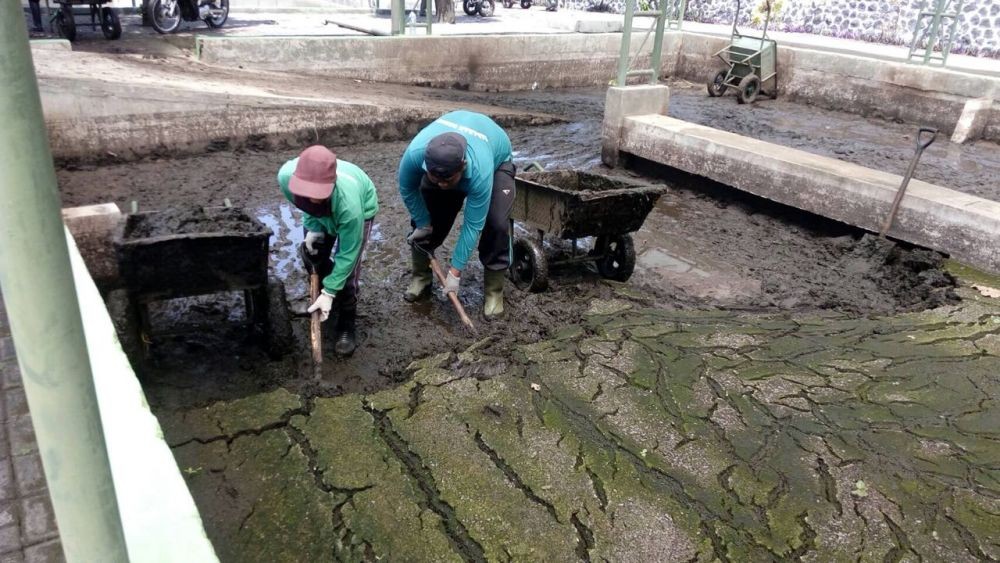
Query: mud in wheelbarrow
column 190, row 252
column 573, row 205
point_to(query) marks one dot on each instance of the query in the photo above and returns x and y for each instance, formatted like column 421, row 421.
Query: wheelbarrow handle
column 924, row 142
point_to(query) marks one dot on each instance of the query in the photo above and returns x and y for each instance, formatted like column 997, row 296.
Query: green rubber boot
column 420, row 285
column 493, row 281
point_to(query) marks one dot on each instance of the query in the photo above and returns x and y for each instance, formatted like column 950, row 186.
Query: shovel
column 922, row 143
column 315, row 336
column 439, row 274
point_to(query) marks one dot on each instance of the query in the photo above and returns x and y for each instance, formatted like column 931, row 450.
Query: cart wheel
column 65, row 23
column 468, row 7
column 717, row 85
column 530, row 270
column 110, row 25
column 525, row 4
column 217, row 21
column 617, row 256
column 487, row 7
column 749, row 89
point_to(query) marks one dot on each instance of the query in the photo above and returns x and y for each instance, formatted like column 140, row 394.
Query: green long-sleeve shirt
column 353, row 202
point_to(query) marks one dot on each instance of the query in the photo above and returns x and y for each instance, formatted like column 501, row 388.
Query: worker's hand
column 420, row 235
column 452, row 282
column 313, row 238
column 323, row 304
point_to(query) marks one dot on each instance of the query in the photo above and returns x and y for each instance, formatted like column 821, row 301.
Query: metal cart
column 64, row 20
column 751, row 62
column 199, row 261
column 573, row 205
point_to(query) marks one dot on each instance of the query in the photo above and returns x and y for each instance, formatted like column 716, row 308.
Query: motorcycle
column 166, row 15
column 483, row 7
column 510, row 3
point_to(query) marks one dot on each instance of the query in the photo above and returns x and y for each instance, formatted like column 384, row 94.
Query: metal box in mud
column 571, row 204
column 171, row 254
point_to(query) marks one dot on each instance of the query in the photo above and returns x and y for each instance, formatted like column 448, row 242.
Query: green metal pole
column 398, row 16
column 661, row 22
column 623, row 56
column 45, row 322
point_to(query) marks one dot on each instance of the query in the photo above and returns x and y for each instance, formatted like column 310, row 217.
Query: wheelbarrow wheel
column 717, row 85
column 110, row 24
column 749, row 89
column 616, row 256
column 65, row 23
column 530, row 269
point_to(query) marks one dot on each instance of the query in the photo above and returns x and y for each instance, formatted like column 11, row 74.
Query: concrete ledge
column 159, row 517
column 51, row 45
column 93, row 227
column 964, row 226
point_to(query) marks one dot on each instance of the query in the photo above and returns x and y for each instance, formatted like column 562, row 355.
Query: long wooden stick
column 454, row 298
column 315, row 336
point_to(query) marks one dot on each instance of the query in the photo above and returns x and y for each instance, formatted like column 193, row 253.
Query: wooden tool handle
column 315, row 336
column 454, row 298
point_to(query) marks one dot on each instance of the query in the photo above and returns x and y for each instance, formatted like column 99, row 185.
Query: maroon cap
column 315, row 173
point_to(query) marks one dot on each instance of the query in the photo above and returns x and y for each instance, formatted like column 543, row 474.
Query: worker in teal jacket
column 462, row 157
column 338, row 203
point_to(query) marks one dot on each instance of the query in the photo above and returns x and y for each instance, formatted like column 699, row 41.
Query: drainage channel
column 705, row 252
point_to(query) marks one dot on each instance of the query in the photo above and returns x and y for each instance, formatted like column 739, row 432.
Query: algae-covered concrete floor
column 638, row 435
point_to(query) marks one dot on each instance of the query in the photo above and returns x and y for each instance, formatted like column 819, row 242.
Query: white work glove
column 313, row 237
column 323, row 304
column 420, row 235
column 451, row 283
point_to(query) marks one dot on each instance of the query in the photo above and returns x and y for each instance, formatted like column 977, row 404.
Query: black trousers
column 36, row 13
column 494, row 241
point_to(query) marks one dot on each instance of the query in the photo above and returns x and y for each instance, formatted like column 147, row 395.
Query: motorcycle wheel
column 216, row 22
column 469, row 7
column 487, row 7
column 165, row 15
column 508, row 4
column 525, row 4
column 65, row 23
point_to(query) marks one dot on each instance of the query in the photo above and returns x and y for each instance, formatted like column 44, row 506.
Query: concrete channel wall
column 482, row 62
column 964, row 226
column 868, row 86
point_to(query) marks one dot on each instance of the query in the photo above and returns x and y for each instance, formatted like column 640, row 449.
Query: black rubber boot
column 346, row 332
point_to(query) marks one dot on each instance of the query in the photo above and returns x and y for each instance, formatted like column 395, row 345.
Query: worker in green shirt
column 338, row 202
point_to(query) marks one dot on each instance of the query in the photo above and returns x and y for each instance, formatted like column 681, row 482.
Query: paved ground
column 27, row 525
column 638, row 435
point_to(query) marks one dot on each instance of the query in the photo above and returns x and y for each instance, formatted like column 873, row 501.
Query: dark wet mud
column 702, row 246
column 187, row 219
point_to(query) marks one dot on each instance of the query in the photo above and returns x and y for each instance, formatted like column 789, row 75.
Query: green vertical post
column 429, row 11
column 661, row 23
column 44, row 314
column 398, row 16
column 623, row 56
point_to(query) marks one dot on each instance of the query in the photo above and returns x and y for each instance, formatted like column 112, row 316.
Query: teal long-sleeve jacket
column 353, row 202
column 488, row 148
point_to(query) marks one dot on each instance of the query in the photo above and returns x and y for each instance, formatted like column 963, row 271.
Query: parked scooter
column 166, row 15
column 482, row 7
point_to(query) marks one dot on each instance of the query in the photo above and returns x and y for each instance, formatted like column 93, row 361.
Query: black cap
column 445, row 154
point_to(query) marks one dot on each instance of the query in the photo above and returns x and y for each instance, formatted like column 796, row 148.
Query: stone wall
column 882, row 21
